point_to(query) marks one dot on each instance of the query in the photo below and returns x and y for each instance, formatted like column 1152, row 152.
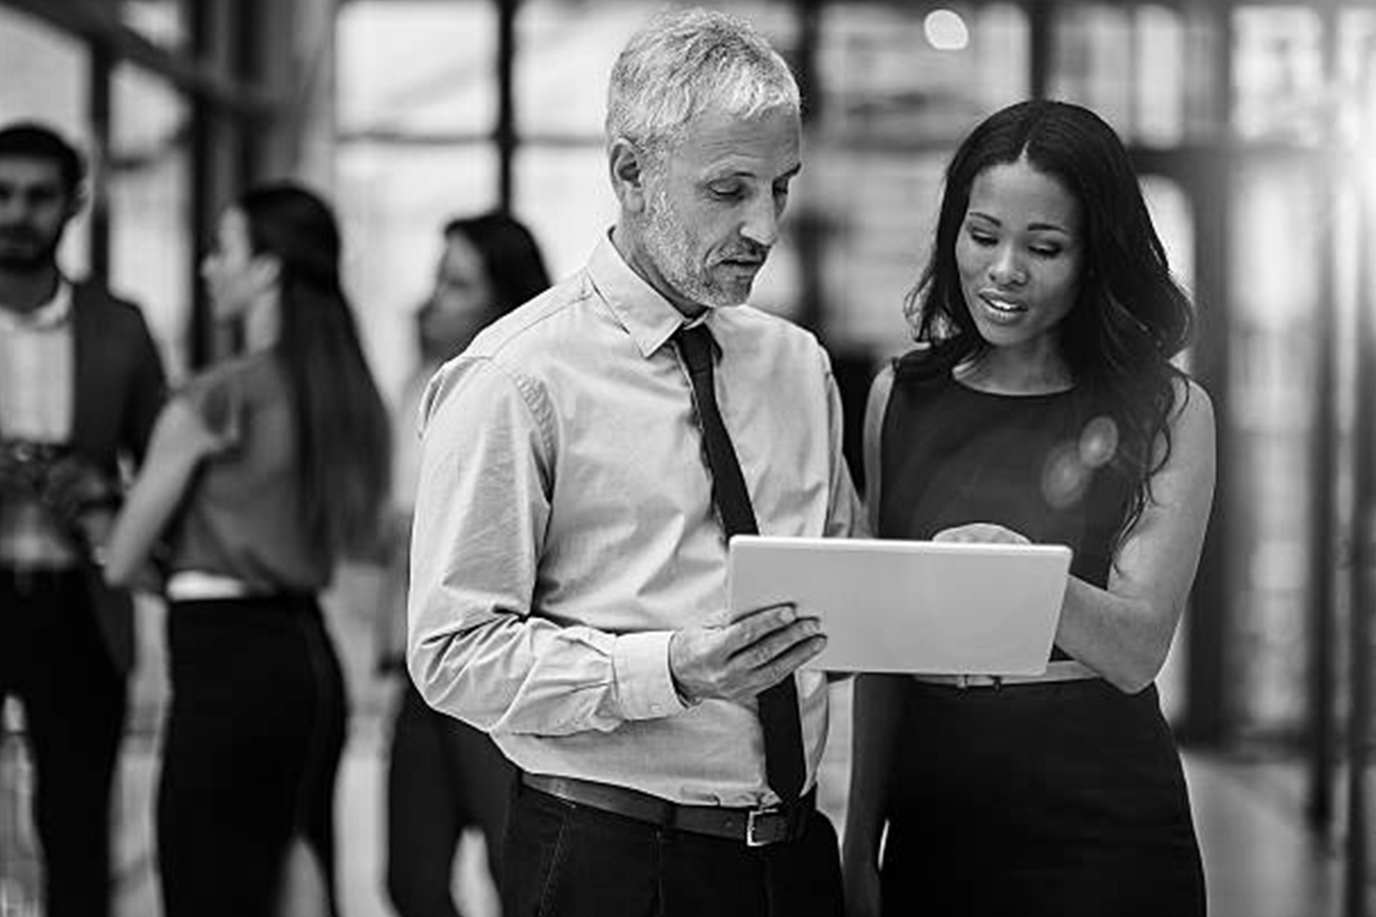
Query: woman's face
column 1020, row 257
column 234, row 277
column 462, row 299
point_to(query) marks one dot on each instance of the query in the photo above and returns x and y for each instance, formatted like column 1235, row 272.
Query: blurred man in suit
column 80, row 385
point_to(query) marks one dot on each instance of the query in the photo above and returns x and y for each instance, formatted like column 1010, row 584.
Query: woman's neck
column 263, row 323
column 1003, row 372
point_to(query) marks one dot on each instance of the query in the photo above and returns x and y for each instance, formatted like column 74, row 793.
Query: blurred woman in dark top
column 445, row 776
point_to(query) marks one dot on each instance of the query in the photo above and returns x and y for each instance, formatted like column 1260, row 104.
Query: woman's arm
column 1124, row 631
column 179, row 441
column 875, row 407
column 877, row 708
column 876, row 705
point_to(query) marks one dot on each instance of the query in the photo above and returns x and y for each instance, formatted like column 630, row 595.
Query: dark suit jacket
column 118, row 392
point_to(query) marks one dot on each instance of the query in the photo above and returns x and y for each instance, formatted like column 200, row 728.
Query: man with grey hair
column 584, row 463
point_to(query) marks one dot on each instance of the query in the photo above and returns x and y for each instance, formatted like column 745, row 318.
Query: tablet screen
column 888, row 605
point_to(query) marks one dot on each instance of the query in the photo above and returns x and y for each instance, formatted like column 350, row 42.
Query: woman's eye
column 1046, row 251
column 725, row 192
column 981, row 238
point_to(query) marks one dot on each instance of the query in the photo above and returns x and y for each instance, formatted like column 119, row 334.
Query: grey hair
column 684, row 62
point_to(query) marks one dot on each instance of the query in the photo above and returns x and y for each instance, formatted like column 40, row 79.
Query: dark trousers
column 251, row 750
column 565, row 860
column 444, row 776
column 52, row 657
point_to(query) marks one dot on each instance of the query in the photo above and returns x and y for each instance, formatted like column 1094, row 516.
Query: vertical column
column 1356, row 851
column 98, row 108
column 505, row 129
column 1206, row 714
column 1323, row 434
column 1041, row 18
column 809, row 230
column 1363, row 595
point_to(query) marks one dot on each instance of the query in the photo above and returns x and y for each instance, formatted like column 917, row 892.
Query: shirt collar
column 46, row 317
column 647, row 316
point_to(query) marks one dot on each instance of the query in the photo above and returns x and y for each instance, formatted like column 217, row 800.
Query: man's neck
column 25, row 291
column 635, row 257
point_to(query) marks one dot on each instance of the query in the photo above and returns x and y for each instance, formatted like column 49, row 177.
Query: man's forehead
column 21, row 169
column 717, row 144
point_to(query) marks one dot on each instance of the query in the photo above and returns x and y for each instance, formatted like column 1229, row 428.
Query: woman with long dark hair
column 261, row 474
column 445, row 776
column 1040, row 404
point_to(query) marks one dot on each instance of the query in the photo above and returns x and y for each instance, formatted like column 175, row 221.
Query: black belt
column 28, row 581
column 753, row 827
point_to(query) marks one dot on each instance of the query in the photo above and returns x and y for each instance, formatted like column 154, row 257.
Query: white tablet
column 910, row 606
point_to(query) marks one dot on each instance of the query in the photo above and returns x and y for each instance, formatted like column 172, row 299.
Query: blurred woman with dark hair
column 1040, row 404
column 261, row 474
column 445, row 776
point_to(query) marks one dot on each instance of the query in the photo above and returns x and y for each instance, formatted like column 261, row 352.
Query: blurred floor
column 1260, row 860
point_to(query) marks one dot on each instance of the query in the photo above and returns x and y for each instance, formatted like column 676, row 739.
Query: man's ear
column 628, row 165
column 77, row 200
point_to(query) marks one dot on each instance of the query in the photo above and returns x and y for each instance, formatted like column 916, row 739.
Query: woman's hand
column 981, row 532
column 860, row 876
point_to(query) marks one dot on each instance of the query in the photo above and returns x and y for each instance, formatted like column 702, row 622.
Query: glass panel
column 565, row 52
column 1158, row 93
column 1147, row 69
column 43, row 77
column 393, row 201
column 1173, row 218
column 564, row 195
column 1278, row 78
column 916, row 73
column 1356, row 73
column 1271, row 389
column 1204, row 95
column 148, row 181
column 1093, row 62
column 163, row 22
column 416, row 66
column 877, row 215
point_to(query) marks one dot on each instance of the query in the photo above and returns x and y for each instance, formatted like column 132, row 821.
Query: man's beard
column 670, row 244
column 27, row 254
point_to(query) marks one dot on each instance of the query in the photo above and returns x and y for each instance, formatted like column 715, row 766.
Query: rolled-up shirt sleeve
column 476, row 648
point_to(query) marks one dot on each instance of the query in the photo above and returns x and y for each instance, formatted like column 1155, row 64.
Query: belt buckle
column 751, row 824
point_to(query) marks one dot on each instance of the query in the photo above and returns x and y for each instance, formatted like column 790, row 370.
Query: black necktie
column 783, row 734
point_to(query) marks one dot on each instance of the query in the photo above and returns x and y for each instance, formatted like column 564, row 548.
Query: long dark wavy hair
column 514, row 264
column 511, row 258
column 1131, row 316
column 342, row 426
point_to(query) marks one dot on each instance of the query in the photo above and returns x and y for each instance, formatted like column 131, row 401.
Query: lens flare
column 946, row 31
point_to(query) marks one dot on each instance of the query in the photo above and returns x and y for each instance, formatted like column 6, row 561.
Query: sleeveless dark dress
column 1047, row 799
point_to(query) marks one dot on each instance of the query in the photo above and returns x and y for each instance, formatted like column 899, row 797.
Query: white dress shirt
column 37, row 382
column 36, row 370
column 564, row 529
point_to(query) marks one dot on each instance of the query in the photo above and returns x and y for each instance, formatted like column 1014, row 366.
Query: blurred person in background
column 81, row 383
column 1041, row 405
column 261, row 474
column 444, row 775
column 583, row 464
